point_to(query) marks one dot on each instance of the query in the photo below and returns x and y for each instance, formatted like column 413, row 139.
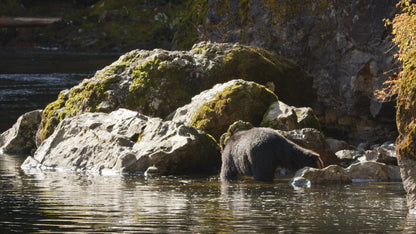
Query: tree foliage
column 404, row 36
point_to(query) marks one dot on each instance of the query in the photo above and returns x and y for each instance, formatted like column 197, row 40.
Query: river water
column 59, row 202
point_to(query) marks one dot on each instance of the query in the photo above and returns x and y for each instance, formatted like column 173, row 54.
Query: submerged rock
column 157, row 82
column 306, row 177
column 125, row 141
column 214, row 110
column 20, row 139
column 373, row 171
column 334, row 174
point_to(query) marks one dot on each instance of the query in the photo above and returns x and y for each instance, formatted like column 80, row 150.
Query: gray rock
column 334, row 174
column 280, row 116
column 373, row 171
column 307, row 177
column 284, row 117
column 385, row 153
column 125, row 141
column 20, row 138
column 347, row 157
column 306, row 118
column 336, row 145
column 408, row 174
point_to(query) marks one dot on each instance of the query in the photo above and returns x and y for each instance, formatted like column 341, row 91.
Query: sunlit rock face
column 343, row 44
column 157, row 82
column 215, row 109
column 125, row 141
column 20, row 138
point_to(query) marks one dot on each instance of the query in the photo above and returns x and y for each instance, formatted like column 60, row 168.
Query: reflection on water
column 30, row 79
column 76, row 202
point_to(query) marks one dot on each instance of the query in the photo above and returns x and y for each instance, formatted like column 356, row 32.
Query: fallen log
column 27, row 21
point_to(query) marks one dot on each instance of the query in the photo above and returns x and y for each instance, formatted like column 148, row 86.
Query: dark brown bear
column 259, row 151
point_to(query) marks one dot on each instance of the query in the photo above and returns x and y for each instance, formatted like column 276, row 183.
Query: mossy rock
column 214, row 110
column 233, row 128
column 157, row 82
column 406, row 117
column 292, row 84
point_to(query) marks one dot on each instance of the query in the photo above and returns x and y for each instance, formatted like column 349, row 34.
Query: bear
column 258, row 152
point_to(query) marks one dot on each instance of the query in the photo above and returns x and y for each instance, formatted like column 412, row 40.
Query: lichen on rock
column 157, row 82
column 124, row 141
column 215, row 109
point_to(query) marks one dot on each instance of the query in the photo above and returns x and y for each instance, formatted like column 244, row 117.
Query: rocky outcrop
column 343, row 44
column 284, row 117
column 157, row 82
column 334, row 174
column 20, row 139
column 406, row 124
column 214, row 110
column 125, row 141
column 314, row 140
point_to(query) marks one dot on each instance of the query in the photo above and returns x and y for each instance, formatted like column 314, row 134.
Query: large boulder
column 284, row 117
column 125, row 141
column 214, row 110
column 343, row 44
column 373, row 171
column 157, row 82
column 20, row 138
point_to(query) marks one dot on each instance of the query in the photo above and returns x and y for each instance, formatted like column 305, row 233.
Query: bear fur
column 258, row 151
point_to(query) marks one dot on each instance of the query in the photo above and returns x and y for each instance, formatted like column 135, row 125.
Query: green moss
column 407, row 145
column 261, row 66
column 406, row 115
column 158, row 88
column 238, row 102
column 192, row 18
column 83, row 98
column 233, row 128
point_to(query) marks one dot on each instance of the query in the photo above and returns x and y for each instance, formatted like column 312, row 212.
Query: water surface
column 48, row 201
column 31, row 78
